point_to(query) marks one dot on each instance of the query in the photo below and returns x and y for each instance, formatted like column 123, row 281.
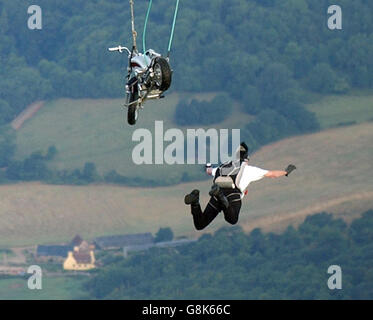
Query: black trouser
column 203, row 219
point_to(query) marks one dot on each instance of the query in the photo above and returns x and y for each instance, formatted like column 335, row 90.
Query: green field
column 53, row 288
column 336, row 110
column 96, row 131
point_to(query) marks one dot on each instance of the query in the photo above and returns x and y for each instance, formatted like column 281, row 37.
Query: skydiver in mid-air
column 231, row 180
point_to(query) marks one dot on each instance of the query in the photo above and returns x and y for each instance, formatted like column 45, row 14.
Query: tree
column 6, row 112
column 90, row 172
column 164, row 234
column 51, row 153
column 301, row 119
column 7, row 146
column 251, row 100
column 322, row 78
column 274, row 79
column 203, row 112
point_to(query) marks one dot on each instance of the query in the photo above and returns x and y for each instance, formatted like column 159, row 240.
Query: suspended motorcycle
column 149, row 73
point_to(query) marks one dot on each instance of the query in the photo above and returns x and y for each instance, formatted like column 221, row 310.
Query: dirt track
column 26, row 114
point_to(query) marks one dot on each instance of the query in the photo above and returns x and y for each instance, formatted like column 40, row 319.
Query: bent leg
column 203, row 219
column 232, row 212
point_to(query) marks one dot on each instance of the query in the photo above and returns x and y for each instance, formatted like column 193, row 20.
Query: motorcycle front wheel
column 132, row 112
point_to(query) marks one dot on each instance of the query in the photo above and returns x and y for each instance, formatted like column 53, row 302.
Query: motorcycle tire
column 132, row 111
column 163, row 73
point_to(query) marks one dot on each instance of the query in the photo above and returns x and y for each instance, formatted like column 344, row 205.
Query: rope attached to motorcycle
column 172, row 29
column 145, row 25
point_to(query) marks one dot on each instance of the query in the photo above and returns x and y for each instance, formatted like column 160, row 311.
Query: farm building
column 53, row 250
column 120, row 241
column 79, row 260
column 82, row 256
column 60, row 250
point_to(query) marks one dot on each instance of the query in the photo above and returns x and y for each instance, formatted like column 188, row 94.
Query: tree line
column 36, row 167
column 231, row 264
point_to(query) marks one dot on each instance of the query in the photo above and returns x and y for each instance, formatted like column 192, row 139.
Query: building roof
column 76, row 241
column 82, row 257
column 53, row 250
column 124, row 240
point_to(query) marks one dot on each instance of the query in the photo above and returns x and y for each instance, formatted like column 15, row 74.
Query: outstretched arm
column 275, row 174
column 280, row 173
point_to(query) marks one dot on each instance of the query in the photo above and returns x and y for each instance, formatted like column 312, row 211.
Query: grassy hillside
column 96, row 131
column 335, row 110
column 334, row 172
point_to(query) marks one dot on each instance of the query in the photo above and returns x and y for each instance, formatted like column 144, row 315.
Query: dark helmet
column 244, row 151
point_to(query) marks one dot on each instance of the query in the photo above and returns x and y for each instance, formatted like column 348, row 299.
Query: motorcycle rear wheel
column 163, row 73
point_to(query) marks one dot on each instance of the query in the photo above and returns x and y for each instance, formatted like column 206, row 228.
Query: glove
column 290, row 168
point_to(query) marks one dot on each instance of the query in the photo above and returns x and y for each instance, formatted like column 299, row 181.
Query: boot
column 192, row 198
column 217, row 193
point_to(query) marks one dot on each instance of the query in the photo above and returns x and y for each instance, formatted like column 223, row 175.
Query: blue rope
column 145, row 25
column 173, row 28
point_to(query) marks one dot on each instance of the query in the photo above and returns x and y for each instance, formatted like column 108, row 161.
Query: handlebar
column 120, row 49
